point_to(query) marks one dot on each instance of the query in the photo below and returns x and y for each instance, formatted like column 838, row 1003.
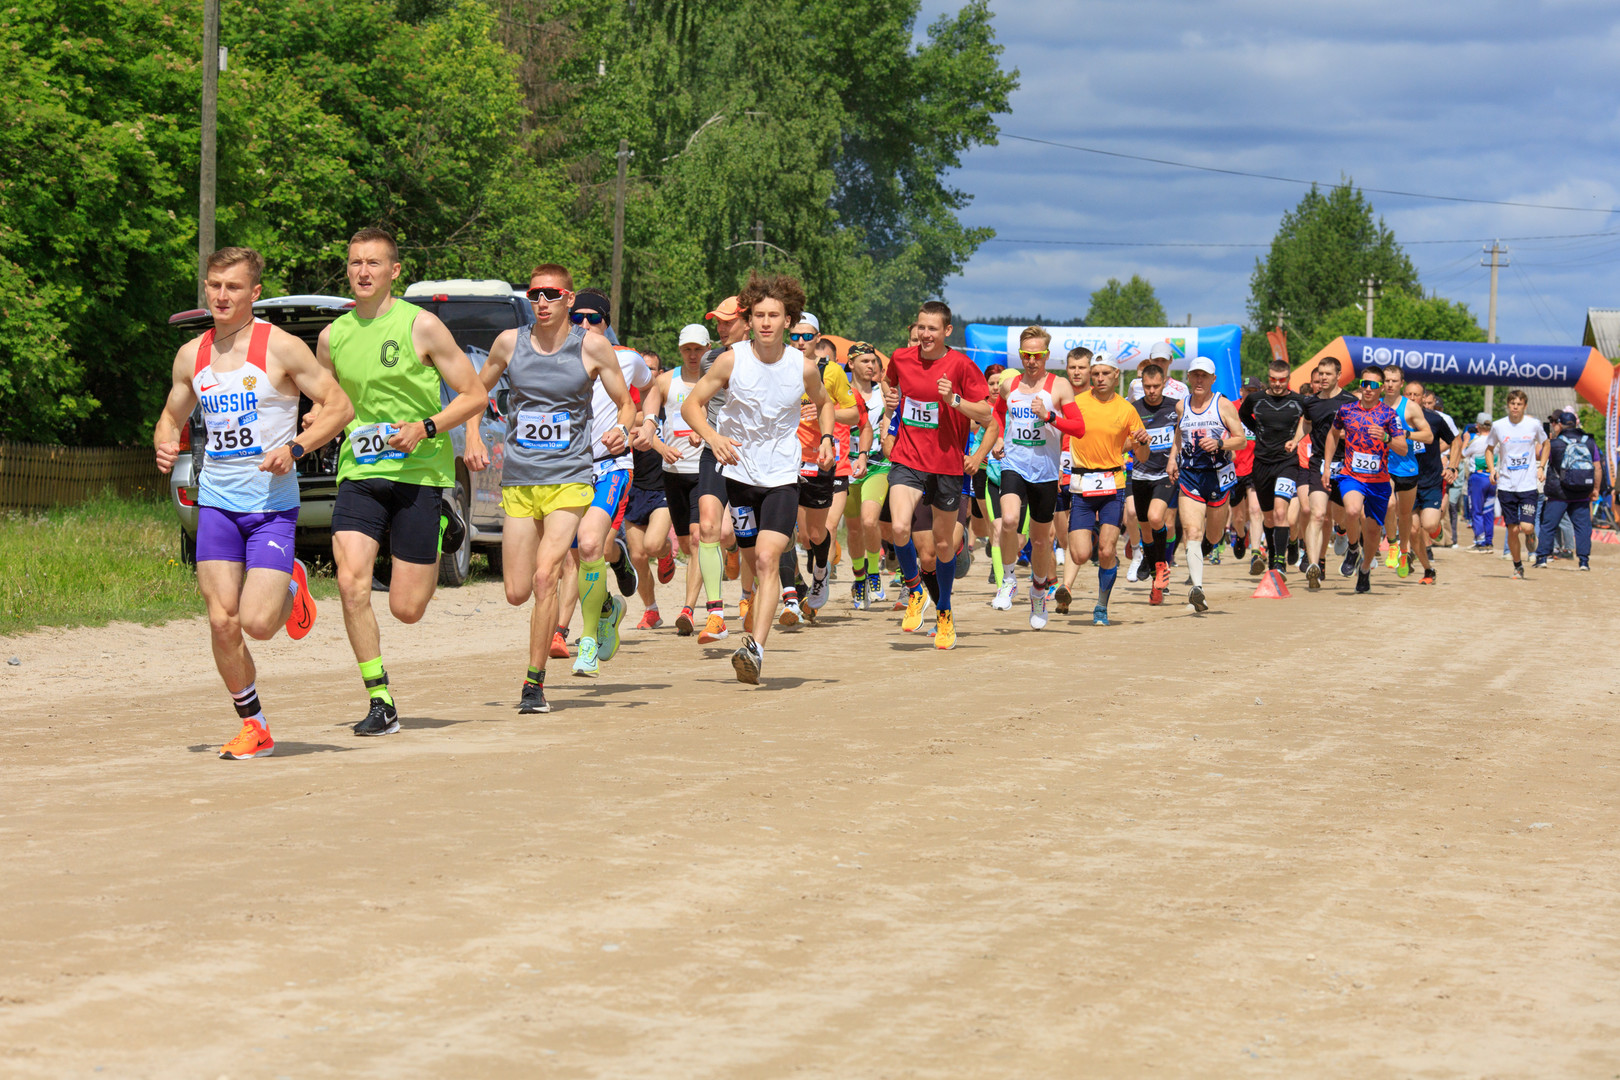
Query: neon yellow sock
column 376, row 680
column 713, row 565
column 592, row 594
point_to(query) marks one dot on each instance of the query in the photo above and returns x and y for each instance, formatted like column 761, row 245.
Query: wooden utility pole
column 618, row 233
column 1373, row 293
column 206, row 170
column 1498, row 259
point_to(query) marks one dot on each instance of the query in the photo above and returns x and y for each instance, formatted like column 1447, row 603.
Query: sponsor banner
column 1475, row 364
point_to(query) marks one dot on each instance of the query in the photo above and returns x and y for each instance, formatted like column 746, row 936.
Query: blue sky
column 1489, row 100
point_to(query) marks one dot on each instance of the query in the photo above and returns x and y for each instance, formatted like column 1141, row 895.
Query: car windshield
column 474, row 323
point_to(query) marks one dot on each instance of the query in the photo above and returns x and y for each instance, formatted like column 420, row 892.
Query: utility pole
column 206, row 171
column 1373, row 293
column 618, row 233
column 1498, row 259
column 759, row 240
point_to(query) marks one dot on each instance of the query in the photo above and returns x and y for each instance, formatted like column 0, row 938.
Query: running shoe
column 1058, row 555
column 609, row 629
column 683, row 623
column 1340, row 542
column 1099, row 616
column 1002, row 601
column 1257, row 563
column 790, row 615
column 964, row 563
column 1352, row 559
column 382, row 719
column 1214, row 558
column 917, row 603
column 743, row 605
column 1294, row 555
column 1403, row 566
column 452, row 528
column 559, row 645
column 1161, row 582
column 944, row 631
column 990, row 577
column 1518, row 571
column 585, row 665
column 1133, row 572
column 1392, row 557
column 534, row 699
column 1240, row 544
column 1539, row 564
column 1428, row 577
column 1196, row 599
column 251, row 742
column 874, row 589
column 624, row 573
column 1037, row 609
column 1060, row 600
column 1313, row 577
column 747, row 661
column 1364, row 581
column 666, row 569
column 302, row 618
column 714, row 629
column 733, row 564
column 1584, row 565
column 818, row 591
column 650, row 620
column 857, row 594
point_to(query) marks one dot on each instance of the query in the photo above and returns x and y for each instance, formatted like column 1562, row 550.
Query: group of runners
column 756, row 443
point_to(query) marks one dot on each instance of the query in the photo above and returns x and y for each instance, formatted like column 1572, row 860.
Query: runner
column 714, row 527
column 1326, row 503
column 822, row 493
column 1277, row 418
column 397, row 460
column 1435, row 470
column 1516, row 443
column 937, row 391
column 868, row 487
column 679, row 450
column 1208, row 431
column 1247, row 523
column 1153, row 480
column 646, row 515
column 1030, row 466
column 247, row 496
column 757, row 444
column 553, row 368
column 1370, row 432
column 1403, row 468
column 1161, row 355
column 1107, row 424
column 1078, row 365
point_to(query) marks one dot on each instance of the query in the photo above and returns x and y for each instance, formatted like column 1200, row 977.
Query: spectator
column 1481, row 492
column 1573, row 481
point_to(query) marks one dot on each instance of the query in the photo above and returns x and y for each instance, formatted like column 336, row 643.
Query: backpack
column 1577, row 473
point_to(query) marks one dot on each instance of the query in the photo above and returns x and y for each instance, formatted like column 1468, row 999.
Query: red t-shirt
column 933, row 436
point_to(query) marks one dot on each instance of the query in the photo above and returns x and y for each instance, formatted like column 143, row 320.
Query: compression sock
column 818, row 557
column 376, row 680
column 930, row 580
column 1170, row 548
column 1195, row 564
column 788, row 567
column 995, row 561
column 909, row 567
column 1160, row 538
column 247, row 704
column 944, row 577
column 713, row 565
column 1105, row 583
column 592, row 592
column 536, row 677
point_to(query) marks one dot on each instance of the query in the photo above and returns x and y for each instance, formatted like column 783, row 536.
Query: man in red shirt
column 936, row 391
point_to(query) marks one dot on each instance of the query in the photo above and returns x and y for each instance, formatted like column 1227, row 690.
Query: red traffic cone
column 1272, row 587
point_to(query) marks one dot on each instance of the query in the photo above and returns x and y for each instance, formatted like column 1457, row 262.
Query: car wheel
column 188, row 549
column 455, row 565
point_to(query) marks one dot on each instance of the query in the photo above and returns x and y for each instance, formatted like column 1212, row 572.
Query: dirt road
column 1327, row 836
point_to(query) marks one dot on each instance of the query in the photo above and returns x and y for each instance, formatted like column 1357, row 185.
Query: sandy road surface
column 1329, row 836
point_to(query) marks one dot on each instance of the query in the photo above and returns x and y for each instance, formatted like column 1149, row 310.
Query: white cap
column 1104, row 360
column 815, row 323
column 1201, row 363
column 1162, row 351
column 694, row 334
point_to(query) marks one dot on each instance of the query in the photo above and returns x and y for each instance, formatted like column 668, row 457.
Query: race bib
column 1518, row 462
column 1365, row 463
column 1285, row 488
column 1028, row 433
column 1095, row 483
column 233, row 436
column 809, row 469
column 1336, row 468
column 1226, row 475
column 922, row 414
column 743, row 522
column 537, row 430
column 1160, row 438
column 370, row 443
column 601, row 468
column 1066, row 462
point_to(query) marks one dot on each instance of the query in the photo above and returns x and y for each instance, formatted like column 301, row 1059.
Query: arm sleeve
column 1001, row 410
column 1071, row 422
column 1246, row 411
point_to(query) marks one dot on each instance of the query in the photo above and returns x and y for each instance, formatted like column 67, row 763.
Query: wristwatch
column 431, row 428
column 830, row 437
column 297, row 451
column 956, row 401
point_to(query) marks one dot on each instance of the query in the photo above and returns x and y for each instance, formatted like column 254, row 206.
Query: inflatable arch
column 1128, row 344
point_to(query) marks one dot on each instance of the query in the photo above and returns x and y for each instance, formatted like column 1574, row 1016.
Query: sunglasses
column 547, row 293
column 592, row 317
column 1034, row 354
column 1371, row 384
column 801, row 337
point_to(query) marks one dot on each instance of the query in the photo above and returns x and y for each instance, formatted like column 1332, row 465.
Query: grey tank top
column 720, row 398
column 548, row 420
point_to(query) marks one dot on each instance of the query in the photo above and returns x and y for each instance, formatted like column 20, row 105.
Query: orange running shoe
column 713, row 630
column 666, row 569
column 1161, row 582
column 742, row 609
column 302, row 619
column 683, row 622
column 251, row 742
column 650, row 620
column 559, row 645
column 733, row 564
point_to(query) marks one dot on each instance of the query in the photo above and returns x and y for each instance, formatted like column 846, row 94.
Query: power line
column 1312, row 183
column 1179, row 244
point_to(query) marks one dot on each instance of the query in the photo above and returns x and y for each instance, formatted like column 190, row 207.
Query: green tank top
column 378, row 368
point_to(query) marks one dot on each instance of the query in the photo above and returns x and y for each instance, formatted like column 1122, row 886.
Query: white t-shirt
column 1174, row 389
column 605, row 414
column 1515, row 446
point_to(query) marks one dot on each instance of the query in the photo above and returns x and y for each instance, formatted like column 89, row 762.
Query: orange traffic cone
column 1272, row 587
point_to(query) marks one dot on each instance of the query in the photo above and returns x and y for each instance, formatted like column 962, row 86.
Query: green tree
column 1417, row 318
column 1132, row 303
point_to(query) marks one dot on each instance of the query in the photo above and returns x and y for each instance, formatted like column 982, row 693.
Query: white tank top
column 244, row 414
column 761, row 416
column 1031, row 447
column 1206, row 424
column 677, row 432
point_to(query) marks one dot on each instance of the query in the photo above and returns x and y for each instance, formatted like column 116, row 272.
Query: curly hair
column 776, row 287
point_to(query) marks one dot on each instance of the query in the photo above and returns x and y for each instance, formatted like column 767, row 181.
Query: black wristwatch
column 297, row 451
column 431, row 428
column 830, row 437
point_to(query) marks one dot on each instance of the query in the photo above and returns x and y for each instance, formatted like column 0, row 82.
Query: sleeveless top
column 875, row 415
column 1031, row 448
column 761, row 415
column 243, row 415
column 377, row 366
column 1152, row 462
column 677, row 432
column 548, row 419
column 1206, row 424
column 1405, row 464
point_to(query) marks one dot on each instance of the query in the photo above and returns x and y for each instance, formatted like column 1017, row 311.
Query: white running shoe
column 1037, row 609
column 1135, row 567
column 819, row 590
column 1341, row 543
column 1004, row 595
column 790, row 614
column 1058, row 554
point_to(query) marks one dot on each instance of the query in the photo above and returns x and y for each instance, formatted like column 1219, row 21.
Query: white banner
column 1128, row 345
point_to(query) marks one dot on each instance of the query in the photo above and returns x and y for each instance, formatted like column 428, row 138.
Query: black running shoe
column 1240, row 544
column 383, row 719
column 534, row 699
column 1293, row 553
column 455, row 529
column 1364, row 581
column 1352, row 559
column 623, row 572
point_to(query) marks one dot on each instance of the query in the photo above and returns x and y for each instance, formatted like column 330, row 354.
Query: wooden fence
column 34, row 476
